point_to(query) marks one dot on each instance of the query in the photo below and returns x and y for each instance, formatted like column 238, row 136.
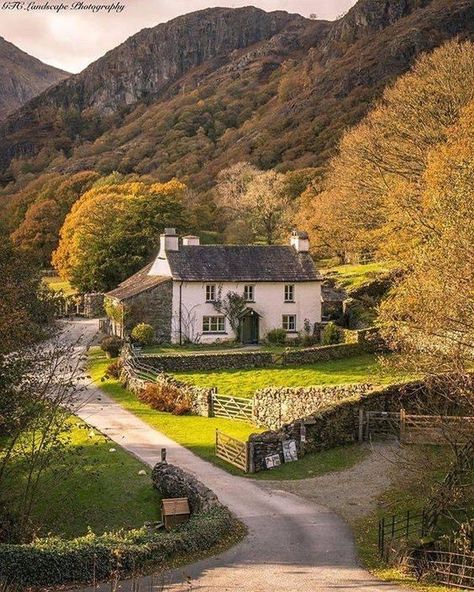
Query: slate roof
column 137, row 283
column 247, row 263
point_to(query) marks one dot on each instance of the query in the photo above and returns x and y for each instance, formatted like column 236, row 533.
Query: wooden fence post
column 361, row 424
column 250, row 457
column 403, row 420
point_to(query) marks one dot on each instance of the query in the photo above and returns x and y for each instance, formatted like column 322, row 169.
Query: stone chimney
column 191, row 241
column 169, row 241
column 300, row 241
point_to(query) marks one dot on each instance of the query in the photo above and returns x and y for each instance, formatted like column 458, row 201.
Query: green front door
column 249, row 328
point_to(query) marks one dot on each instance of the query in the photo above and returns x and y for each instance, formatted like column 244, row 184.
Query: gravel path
column 293, row 545
column 352, row 493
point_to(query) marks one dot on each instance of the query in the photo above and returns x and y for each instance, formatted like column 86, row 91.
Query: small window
column 289, row 323
column 210, row 293
column 213, row 324
column 289, row 293
column 249, row 293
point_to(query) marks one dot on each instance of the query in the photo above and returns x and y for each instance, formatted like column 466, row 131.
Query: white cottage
column 178, row 292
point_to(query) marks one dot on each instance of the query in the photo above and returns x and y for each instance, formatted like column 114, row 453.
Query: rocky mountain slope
column 191, row 96
column 22, row 77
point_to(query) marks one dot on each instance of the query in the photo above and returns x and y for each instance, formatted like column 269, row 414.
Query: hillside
column 22, row 77
column 191, row 96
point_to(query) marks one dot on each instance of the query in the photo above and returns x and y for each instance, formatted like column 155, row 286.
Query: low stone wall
column 310, row 355
column 334, row 426
column 171, row 481
column 206, row 361
column 274, row 407
column 201, row 403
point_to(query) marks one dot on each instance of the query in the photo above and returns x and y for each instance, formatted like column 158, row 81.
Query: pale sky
column 73, row 39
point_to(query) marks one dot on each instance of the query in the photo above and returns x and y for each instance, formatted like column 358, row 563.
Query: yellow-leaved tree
column 373, row 189
column 114, row 228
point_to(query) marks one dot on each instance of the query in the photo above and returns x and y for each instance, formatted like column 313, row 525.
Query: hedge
column 54, row 562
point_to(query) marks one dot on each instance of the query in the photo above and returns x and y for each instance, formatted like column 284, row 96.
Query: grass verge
column 89, row 487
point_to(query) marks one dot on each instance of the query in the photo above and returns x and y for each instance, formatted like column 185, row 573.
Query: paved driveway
column 293, row 545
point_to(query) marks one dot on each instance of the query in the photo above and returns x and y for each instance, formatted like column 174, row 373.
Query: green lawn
column 57, row 284
column 355, row 276
column 91, row 487
column 244, row 383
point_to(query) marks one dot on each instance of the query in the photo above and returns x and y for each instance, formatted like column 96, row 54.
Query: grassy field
column 57, row 284
column 91, row 487
column 198, row 433
column 244, row 383
column 355, row 276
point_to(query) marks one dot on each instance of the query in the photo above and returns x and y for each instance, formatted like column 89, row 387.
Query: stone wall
column 274, row 407
column 310, row 355
column 171, row 481
column 334, row 426
column 206, row 361
column 200, row 398
column 153, row 307
column 93, row 305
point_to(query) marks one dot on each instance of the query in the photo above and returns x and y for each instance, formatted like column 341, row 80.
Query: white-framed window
column 213, row 324
column 289, row 292
column 289, row 323
column 211, row 293
column 249, row 293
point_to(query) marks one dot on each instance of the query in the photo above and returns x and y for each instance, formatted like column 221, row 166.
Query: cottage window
column 249, row 293
column 213, row 324
column 210, row 293
column 289, row 293
column 289, row 323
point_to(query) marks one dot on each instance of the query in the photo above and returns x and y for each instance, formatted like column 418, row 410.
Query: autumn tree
column 38, row 232
column 259, row 200
column 429, row 315
column 114, row 228
column 380, row 167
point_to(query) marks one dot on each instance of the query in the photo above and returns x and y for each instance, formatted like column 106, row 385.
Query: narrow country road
column 292, row 545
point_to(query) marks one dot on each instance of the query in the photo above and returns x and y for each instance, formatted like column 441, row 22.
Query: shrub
column 276, row 337
column 166, row 397
column 114, row 370
column 111, row 345
column 332, row 334
column 143, row 334
column 56, row 562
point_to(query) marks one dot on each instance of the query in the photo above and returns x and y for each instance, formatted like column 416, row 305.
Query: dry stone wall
column 310, row 355
column 274, row 407
column 171, row 481
column 201, row 403
column 336, row 425
column 206, row 361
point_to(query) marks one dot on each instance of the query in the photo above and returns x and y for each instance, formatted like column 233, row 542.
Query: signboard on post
column 272, row 461
column 290, row 452
column 303, row 433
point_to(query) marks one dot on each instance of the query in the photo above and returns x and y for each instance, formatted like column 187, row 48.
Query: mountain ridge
column 279, row 95
column 22, row 77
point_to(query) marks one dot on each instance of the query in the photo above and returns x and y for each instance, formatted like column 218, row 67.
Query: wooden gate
column 378, row 423
column 232, row 407
column 435, row 429
column 233, row 451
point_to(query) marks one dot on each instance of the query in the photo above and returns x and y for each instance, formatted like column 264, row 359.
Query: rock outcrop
column 22, row 77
